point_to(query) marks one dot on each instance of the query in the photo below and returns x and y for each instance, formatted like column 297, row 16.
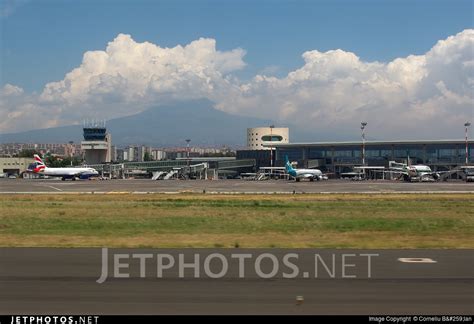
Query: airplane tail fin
column 39, row 164
column 38, row 159
column 288, row 166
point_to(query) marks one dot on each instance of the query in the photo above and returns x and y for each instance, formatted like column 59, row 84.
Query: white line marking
column 434, row 193
column 54, row 188
column 416, row 260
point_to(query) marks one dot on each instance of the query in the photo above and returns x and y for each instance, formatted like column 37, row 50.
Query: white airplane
column 299, row 174
column 417, row 172
column 64, row 173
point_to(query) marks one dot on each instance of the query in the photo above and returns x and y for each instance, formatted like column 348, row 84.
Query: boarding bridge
column 236, row 164
column 197, row 168
column 155, row 165
column 461, row 172
column 198, row 171
column 396, row 165
column 449, row 174
column 125, row 169
column 371, row 172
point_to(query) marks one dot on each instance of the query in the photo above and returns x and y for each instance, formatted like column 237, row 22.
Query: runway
column 63, row 281
column 227, row 186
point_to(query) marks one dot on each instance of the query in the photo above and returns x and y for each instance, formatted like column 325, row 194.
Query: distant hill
column 167, row 125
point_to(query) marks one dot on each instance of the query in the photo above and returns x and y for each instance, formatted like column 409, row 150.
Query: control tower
column 97, row 143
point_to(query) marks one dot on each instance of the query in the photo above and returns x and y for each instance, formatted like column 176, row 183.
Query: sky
column 406, row 66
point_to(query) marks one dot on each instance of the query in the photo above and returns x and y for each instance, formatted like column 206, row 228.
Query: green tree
column 147, row 157
column 76, row 161
column 27, row 153
column 52, row 161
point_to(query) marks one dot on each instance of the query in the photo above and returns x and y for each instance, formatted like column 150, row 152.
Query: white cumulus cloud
column 128, row 72
column 134, row 71
column 428, row 95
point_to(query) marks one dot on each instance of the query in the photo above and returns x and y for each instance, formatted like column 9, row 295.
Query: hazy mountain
column 166, row 125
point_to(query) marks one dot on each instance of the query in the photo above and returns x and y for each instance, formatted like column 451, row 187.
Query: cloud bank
column 419, row 96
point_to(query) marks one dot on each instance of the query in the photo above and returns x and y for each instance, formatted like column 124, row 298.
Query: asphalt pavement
column 227, row 186
column 65, row 281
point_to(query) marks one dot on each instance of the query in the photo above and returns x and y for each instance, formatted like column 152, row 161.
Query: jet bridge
column 371, row 172
column 203, row 169
column 461, row 172
column 193, row 171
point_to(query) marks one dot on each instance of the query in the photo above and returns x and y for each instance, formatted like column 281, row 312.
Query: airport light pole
column 187, row 149
column 362, row 128
column 70, row 150
column 466, row 127
column 271, row 149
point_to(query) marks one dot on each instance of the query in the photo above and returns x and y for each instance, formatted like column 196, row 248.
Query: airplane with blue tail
column 298, row 174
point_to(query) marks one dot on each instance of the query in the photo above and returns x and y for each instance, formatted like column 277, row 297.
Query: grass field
column 157, row 220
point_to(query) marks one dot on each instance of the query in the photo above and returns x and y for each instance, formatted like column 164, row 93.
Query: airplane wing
column 307, row 175
column 83, row 174
column 396, row 171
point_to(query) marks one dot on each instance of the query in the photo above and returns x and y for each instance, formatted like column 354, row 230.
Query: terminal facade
column 338, row 157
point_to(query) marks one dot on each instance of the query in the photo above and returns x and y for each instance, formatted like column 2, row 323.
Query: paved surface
column 227, row 186
column 63, row 281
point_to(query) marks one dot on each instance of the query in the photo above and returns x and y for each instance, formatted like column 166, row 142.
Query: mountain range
column 165, row 125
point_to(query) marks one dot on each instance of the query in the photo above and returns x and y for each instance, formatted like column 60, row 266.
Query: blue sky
column 43, row 40
column 406, row 66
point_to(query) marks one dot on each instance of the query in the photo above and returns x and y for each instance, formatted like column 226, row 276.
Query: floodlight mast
column 362, row 128
column 466, row 129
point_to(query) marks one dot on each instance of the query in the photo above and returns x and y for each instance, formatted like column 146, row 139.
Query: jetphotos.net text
column 244, row 264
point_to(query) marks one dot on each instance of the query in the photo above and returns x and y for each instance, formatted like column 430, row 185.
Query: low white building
column 14, row 165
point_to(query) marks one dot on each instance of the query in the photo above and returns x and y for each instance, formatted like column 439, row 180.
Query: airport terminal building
column 340, row 157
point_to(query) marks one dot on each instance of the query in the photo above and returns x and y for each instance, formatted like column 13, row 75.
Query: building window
column 272, row 138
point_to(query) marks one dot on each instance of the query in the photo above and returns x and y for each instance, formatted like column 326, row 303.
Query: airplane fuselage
column 69, row 172
column 64, row 173
column 306, row 172
column 420, row 173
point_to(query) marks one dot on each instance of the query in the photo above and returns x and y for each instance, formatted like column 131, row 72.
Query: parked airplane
column 469, row 173
column 299, row 174
column 412, row 173
column 64, row 173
